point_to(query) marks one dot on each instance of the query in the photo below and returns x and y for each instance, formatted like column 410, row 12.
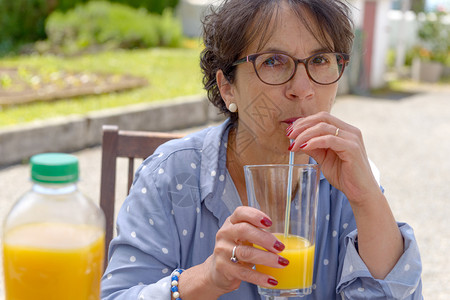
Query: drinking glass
column 288, row 195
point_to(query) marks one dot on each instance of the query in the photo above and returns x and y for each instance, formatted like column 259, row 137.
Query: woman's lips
column 290, row 120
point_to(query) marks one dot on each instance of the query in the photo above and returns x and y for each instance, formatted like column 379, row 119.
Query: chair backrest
column 129, row 144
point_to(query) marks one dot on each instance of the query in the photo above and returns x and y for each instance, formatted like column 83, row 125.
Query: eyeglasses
column 278, row 68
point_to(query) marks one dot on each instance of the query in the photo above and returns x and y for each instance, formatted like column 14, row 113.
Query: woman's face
column 265, row 110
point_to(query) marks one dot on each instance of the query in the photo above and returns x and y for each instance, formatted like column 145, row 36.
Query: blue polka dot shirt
column 182, row 195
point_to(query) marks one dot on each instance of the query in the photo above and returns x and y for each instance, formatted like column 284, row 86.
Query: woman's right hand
column 219, row 274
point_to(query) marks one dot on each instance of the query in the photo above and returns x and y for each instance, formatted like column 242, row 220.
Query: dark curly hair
column 230, row 28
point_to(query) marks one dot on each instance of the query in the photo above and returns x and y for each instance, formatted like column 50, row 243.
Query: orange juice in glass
column 288, row 195
column 53, row 261
column 298, row 274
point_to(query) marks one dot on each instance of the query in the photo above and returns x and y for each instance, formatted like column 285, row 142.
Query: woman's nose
column 300, row 86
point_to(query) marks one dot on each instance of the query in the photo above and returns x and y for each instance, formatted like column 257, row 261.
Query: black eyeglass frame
column 252, row 58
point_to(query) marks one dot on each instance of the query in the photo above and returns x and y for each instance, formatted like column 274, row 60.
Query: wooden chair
column 129, row 144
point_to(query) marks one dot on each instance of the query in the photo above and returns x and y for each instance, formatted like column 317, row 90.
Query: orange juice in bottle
column 53, row 240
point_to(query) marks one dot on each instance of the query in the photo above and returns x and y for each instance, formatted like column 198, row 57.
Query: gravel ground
column 408, row 140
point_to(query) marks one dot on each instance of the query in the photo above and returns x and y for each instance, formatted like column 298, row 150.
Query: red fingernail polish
column 279, row 246
column 272, row 281
column 291, row 146
column 289, row 128
column 303, row 145
column 266, row 222
column 283, row 261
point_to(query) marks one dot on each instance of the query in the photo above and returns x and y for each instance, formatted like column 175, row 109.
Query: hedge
column 23, row 21
column 99, row 25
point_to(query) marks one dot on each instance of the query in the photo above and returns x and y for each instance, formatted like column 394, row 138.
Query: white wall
column 402, row 28
column 381, row 44
column 191, row 12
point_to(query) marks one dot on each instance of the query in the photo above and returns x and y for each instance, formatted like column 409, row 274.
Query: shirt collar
column 213, row 157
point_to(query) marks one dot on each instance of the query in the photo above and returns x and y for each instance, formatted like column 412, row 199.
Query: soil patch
column 20, row 85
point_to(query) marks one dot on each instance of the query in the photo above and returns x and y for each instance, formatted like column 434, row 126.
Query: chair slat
column 129, row 144
column 130, row 173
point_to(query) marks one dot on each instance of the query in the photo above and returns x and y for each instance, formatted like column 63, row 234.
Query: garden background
column 62, row 57
column 405, row 123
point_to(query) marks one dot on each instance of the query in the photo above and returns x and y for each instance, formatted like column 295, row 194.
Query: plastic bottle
column 53, row 237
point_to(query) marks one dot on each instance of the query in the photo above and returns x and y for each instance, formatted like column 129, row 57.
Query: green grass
column 170, row 73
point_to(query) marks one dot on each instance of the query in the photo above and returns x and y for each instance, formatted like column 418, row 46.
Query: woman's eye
column 319, row 60
column 271, row 61
column 274, row 60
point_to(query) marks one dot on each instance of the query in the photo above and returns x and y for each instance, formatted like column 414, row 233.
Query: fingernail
column 266, row 222
column 283, row 261
column 289, row 132
column 279, row 246
column 303, row 145
column 291, row 146
column 289, row 128
column 272, row 281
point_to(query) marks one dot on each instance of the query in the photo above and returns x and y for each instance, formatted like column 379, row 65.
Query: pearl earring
column 232, row 107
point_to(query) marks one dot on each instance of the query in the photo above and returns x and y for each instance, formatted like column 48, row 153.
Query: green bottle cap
column 54, row 168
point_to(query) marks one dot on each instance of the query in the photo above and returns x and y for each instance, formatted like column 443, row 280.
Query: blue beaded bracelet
column 174, row 286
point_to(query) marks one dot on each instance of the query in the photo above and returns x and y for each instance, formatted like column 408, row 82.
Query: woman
column 273, row 67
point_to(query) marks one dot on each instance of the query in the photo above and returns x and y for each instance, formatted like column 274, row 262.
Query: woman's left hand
column 339, row 148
